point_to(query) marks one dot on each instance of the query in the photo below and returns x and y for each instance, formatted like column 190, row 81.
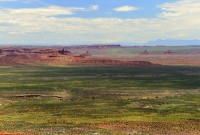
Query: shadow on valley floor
column 103, row 100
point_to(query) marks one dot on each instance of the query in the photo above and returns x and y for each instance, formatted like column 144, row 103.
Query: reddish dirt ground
column 7, row 133
column 156, row 128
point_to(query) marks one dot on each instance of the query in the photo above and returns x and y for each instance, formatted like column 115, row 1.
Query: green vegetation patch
column 50, row 99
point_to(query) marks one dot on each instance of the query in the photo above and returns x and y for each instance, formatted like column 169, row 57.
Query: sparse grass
column 96, row 96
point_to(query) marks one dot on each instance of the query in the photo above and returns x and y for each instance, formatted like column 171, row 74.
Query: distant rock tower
column 169, row 52
column 145, row 52
column 63, row 51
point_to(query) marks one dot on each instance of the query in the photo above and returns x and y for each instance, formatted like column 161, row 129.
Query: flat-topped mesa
column 97, row 46
column 104, row 46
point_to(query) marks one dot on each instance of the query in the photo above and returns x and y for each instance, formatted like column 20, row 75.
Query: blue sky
column 146, row 9
column 97, row 21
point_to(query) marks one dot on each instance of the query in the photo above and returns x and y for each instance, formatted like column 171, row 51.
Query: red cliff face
column 43, row 59
column 60, row 56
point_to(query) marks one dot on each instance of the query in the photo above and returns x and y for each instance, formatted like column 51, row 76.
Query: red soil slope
column 51, row 59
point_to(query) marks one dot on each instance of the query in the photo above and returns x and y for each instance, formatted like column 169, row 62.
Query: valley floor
column 99, row 100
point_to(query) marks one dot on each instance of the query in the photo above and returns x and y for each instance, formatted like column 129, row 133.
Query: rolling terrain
column 100, row 90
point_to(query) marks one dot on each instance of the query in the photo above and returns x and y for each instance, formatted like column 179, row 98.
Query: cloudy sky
column 97, row 21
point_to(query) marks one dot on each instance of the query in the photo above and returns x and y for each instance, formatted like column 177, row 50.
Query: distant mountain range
column 161, row 42
column 173, row 42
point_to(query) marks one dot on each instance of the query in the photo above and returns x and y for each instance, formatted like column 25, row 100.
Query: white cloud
column 181, row 8
column 25, row 13
column 125, row 8
column 47, row 11
column 178, row 20
column 181, row 18
column 94, row 7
